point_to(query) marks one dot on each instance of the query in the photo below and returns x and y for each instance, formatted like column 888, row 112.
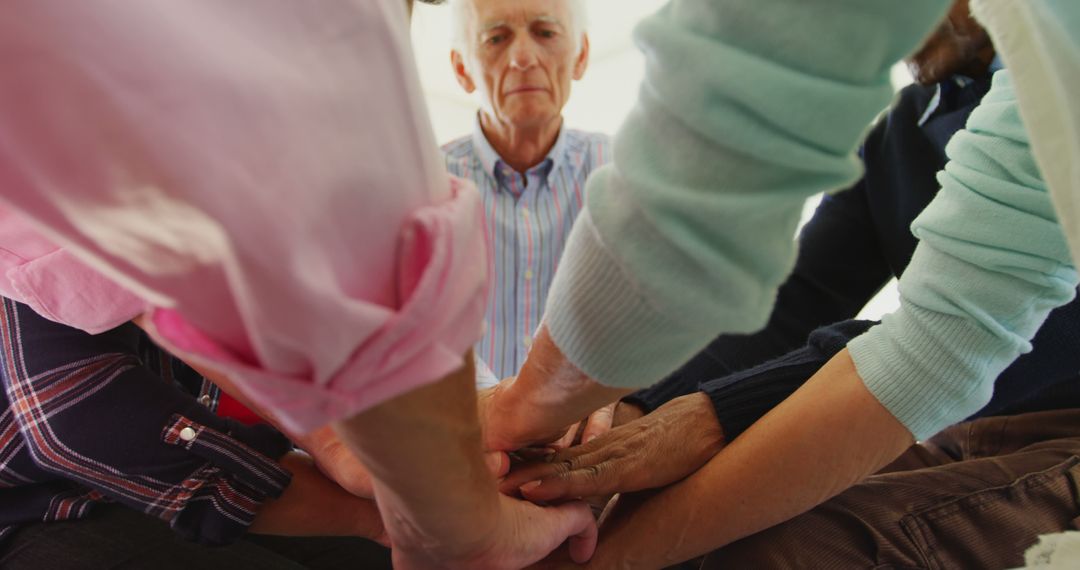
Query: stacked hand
column 521, row 534
column 654, row 451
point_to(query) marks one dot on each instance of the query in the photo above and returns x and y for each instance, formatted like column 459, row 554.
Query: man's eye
column 547, row 33
column 496, row 40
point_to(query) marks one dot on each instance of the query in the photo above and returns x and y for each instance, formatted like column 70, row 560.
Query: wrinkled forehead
column 488, row 14
column 542, row 19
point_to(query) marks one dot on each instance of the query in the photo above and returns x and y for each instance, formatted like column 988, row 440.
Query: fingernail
column 591, row 437
column 531, row 485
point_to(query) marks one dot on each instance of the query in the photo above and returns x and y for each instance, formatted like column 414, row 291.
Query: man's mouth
column 525, row 89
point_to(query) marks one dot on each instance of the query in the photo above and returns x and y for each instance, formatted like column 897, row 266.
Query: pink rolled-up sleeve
column 56, row 284
column 262, row 173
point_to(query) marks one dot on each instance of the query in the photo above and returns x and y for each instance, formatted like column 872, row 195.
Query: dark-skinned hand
column 654, row 451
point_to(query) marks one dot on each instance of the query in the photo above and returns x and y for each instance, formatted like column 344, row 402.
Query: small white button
column 187, row 434
column 528, row 274
column 528, row 342
column 525, row 212
column 204, row 399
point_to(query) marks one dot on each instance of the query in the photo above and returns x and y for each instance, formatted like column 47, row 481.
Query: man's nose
column 523, row 53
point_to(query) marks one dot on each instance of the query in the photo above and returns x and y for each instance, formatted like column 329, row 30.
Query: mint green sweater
column 747, row 109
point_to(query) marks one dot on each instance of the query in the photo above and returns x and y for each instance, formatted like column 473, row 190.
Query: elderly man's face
column 522, row 57
column 959, row 45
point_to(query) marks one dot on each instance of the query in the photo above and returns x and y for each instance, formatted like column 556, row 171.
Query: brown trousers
column 975, row 496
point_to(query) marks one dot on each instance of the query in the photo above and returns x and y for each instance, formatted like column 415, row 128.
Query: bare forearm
column 423, row 450
column 829, row 435
column 313, row 505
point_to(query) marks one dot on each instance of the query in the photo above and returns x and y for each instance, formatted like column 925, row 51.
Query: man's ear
column 582, row 62
column 461, row 73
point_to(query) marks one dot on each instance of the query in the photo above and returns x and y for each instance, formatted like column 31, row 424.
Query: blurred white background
column 599, row 101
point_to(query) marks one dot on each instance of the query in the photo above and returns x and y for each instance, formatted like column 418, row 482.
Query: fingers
column 589, row 480
column 567, row 439
column 549, row 466
column 580, row 526
column 584, row 471
column 599, row 422
column 498, row 462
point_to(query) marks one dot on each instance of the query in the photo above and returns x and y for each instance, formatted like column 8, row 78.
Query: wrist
column 467, row 537
column 710, row 432
column 626, row 412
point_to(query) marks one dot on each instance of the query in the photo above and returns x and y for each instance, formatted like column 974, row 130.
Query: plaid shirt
column 111, row 417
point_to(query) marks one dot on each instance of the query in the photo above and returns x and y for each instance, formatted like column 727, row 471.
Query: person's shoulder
column 588, row 137
column 459, row 154
column 594, row 148
column 459, row 147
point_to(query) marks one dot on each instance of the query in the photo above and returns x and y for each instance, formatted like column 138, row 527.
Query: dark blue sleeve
column 1047, row 378
column 90, row 412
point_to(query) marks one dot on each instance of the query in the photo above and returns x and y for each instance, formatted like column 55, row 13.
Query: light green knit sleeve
column 992, row 263
column 747, row 109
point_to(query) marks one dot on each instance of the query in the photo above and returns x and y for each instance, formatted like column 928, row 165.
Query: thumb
column 498, row 463
column 598, row 423
column 586, row 481
column 579, row 525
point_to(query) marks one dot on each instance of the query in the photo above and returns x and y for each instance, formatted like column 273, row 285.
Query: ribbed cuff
column 603, row 323
column 657, row 395
column 930, row 369
column 739, row 404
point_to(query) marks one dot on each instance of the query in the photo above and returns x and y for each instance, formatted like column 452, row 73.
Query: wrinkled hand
column 653, row 451
column 523, row 534
column 538, row 405
column 341, row 465
column 598, row 423
column 504, row 427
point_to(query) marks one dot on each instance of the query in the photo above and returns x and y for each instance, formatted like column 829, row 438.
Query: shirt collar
column 488, row 157
column 491, row 161
column 954, row 82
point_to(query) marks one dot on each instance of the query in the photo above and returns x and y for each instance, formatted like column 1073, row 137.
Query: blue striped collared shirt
column 528, row 219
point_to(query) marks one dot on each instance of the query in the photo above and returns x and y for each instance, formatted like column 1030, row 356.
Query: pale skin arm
column 450, row 515
column 538, row 405
column 826, row 437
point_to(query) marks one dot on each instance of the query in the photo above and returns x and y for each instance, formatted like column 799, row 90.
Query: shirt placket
column 523, row 269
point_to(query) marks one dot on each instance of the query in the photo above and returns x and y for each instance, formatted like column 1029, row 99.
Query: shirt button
column 527, row 342
column 204, row 399
column 525, row 212
column 187, row 434
column 528, row 274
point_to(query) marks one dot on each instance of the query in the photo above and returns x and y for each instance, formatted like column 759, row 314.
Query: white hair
column 459, row 20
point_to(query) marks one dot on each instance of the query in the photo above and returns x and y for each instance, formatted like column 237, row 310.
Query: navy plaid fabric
column 111, row 417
